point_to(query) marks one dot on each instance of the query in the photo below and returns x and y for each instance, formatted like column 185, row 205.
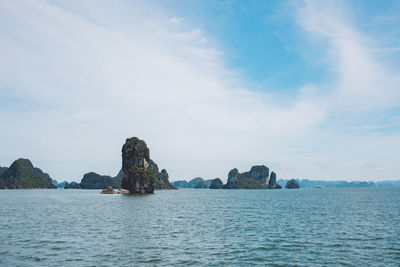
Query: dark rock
column 233, row 176
column 254, row 179
column 162, row 178
column 260, row 173
column 93, row 180
column 201, row 185
column 72, row 185
column 22, row 174
column 118, row 179
column 244, row 183
column 180, row 184
column 193, row 183
column 272, row 184
column 216, row 184
column 108, row 190
column 292, row 184
column 3, row 169
column 135, row 164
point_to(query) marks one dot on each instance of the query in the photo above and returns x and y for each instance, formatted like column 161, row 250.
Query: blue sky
column 308, row 88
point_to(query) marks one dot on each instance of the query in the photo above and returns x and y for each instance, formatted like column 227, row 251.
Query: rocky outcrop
column 260, row 173
column 72, row 185
column 233, row 176
column 257, row 178
column 292, row 184
column 22, row 174
column 3, row 169
column 201, row 185
column 108, row 190
column 272, row 184
column 93, row 180
column 162, row 178
column 216, row 184
column 181, row 184
column 123, row 191
column 135, row 165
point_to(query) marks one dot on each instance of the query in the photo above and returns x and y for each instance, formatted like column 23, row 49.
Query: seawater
column 305, row 227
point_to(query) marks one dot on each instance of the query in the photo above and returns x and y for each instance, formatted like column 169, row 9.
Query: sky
column 311, row 89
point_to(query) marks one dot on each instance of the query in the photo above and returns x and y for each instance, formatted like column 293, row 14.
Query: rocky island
column 141, row 174
column 23, row 175
column 257, row 178
column 292, row 184
column 137, row 162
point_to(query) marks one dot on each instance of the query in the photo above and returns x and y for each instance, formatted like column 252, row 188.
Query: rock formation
column 201, row 185
column 162, row 178
column 180, row 184
column 257, row 178
column 123, row 191
column 93, row 180
column 260, row 173
column 3, row 169
column 233, row 176
column 216, row 184
column 292, row 184
column 272, row 184
column 135, row 165
column 108, row 190
column 22, row 174
column 72, row 185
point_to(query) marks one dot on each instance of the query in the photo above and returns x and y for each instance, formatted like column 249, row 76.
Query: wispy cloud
column 90, row 77
column 98, row 83
column 176, row 20
column 362, row 81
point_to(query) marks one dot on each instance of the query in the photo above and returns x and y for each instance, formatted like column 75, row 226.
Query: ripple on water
column 201, row 227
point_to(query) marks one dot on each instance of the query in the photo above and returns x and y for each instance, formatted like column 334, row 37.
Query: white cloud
column 98, row 83
column 81, row 80
column 363, row 82
column 176, row 20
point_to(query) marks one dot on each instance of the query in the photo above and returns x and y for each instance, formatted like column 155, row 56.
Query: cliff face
column 272, row 182
column 21, row 174
column 135, row 165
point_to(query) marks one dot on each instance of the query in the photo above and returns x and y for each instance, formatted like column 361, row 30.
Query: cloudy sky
column 311, row 89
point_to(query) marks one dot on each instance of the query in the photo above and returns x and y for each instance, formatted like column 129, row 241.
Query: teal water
column 305, row 227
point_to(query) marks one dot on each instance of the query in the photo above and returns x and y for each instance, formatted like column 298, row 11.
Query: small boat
column 319, row 187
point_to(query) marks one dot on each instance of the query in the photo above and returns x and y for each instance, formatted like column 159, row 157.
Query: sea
column 201, row 227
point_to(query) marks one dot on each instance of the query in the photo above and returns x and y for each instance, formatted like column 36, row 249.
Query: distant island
column 140, row 174
column 22, row 175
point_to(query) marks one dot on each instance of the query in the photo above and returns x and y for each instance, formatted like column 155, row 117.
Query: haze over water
column 306, row 227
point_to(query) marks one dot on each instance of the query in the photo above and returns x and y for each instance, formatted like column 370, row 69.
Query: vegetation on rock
column 93, row 180
column 72, row 185
column 3, row 169
column 201, row 185
column 216, row 184
column 292, row 184
column 256, row 178
column 22, row 174
column 135, row 162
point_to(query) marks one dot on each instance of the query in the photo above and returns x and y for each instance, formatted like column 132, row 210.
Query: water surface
column 306, row 227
